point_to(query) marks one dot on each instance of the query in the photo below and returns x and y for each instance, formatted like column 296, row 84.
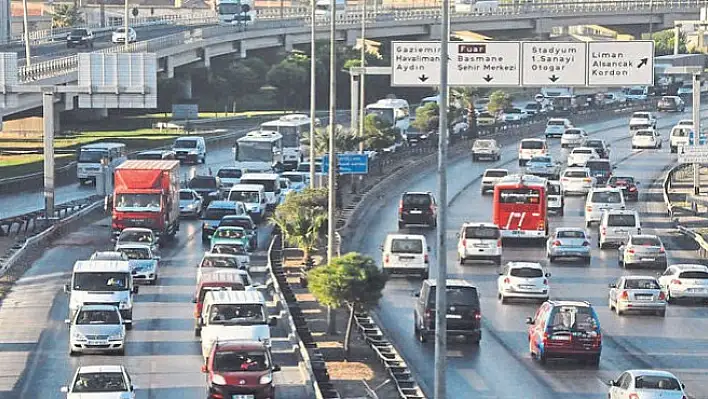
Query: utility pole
column 677, row 37
column 440, row 292
column 25, row 22
column 125, row 23
column 313, row 93
column 696, row 130
column 362, row 80
column 332, row 150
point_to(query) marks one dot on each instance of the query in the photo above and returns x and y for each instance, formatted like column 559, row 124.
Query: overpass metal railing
column 299, row 18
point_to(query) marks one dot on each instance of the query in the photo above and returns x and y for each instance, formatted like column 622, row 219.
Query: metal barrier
column 29, row 222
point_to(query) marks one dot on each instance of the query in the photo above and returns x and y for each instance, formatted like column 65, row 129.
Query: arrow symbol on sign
column 553, row 78
column 423, row 78
column 488, row 78
column 643, row 62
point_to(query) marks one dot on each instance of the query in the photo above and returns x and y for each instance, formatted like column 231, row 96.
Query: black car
column 417, row 208
column 602, row 149
column 629, row 186
column 464, row 314
column 600, row 169
column 206, row 186
column 79, row 37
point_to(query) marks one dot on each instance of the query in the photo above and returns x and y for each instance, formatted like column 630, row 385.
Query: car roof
column 570, row 229
column 417, row 193
column 534, row 139
column 241, row 345
column 658, row 373
column 605, row 189
column 140, row 229
column 496, row 170
column 582, row 304
column 120, row 266
column 262, row 176
column 239, row 217
column 479, row 224
column 247, row 187
column 213, row 255
column 577, row 168
column 583, row 148
column 638, row 277
column 230, row 228
column 134, row 246
column 451, row 282
column 222, row 205
column 100, row 369
column 534, row 265
column 621, row 211
column 251, row 297
column 406, row 236
column 98, row 307
column 689, row 266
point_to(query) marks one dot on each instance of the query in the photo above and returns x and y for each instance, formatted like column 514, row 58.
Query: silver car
column 543, row 166
column 96, row 328
column 144, row 264
column 138, row 235
column 486, row 148
column 108, row 255
column 646, row 384
column 642, row 250
column 190, row 203
column 640, row 293
column 569, row 242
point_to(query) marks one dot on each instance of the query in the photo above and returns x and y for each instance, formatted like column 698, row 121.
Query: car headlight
column 77, row 336
column 218, row 379
column 266, row 379
column 190, row 206
column 117, row 337
column 124, row 305
column 192, row 152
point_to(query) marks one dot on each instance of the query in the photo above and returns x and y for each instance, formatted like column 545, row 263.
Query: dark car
column 671, row 103
column 246, row 222
column 602, row 148
column 600, row 169
column 417, row 208
column 156, row 155
column 206, row 186
column 240, row 369
column 80, row 37
column 464, row 314
column 565, row 329
column 629, row 186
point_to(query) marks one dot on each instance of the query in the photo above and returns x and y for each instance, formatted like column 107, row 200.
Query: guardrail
column 28, row 223
column 297, row 17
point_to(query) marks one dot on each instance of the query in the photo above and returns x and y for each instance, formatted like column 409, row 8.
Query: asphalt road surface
column 501, row 366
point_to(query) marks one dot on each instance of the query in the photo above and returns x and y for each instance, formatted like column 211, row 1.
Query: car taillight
column 477, row 316
column 676, row 282
column 631, row 250
column 633, row 396
column 556, row 243
column 588, row 208
column 464, row 242
column 603, row 230
column 625, row 295
column 662, row 296
column 426, row 259
column 217, row 396
column 545, row 281
column 632, row 189
column 400, row 206
column 428, row 314
column 541, row 225
column 507, row 281
column 499, row 243
column 386, row 258
column 586, row 244
column 565, row 179
column 662, row 250
column 196, row 313
column 587, row 180
column 545, row 338
column 432, row 208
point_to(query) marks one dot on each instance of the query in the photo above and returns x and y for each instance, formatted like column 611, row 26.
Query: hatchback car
column 637, row 293
column 599, row 200
column 490, row 177
column 228, row 176
column 213, row 262
column 523, row 280
column 105, row 382
column 642, row 250
column 96, row 329
column 646, row 384
column 417, row 208
column 544, row 166
column 190, row 203
column 144, row 264
column 119, row 36
column 671, row 103
column 573, row 137
column 580, row 155
column 511, row 115
column 215, row 212
column 486, row 149
column 577, row 180
column 479, row 241
column 568, row 242
column 646, row 138
column 685, row 281
column 565, row 329
column 464, row 314
column 629, row 186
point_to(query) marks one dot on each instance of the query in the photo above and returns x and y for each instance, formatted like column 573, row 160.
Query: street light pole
column 332, row 150
column 313, row 93
column 362, row 78
column 25, row 22
column 125, row 23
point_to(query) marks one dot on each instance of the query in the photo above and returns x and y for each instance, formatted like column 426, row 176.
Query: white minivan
column 90, row 156
column 270, row 183
column 679, row 136
column 600, row 199
column 479, row 241
column 529, row 148
column 190, row 149
column 406, row 254
column 617, row 225
column 253, row 197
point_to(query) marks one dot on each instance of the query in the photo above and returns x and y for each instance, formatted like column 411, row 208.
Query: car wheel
column 461, row 259
column 618, row 311
column 673, row 150
column 661, row 313
column 421, row 336
column 129, row 326
column 594, row 361
column 561, row 212
column 609, row 304
column 474, row 158
column 542, row 358
column 521, row 163
column 669, row 298
column 498, row 260
column 205, row 238
column 503, row 299
column 551, row 258
column 401, row 225
column 425, row 275
column 120, row 352
column 588, row 224
column 587, row 260
column 197, row 332
column 72, row 353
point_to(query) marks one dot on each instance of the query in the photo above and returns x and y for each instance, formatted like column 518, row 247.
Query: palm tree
column 302, row 229
column 343, row 140
column 66, row 16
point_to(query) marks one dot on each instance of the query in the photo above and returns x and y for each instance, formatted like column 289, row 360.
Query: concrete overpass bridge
column 198, row 46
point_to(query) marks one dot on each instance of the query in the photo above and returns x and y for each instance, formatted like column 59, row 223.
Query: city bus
column 89, row 156
column 259, row 152
column 293, row 128
column 520, row 207
column 235, row 12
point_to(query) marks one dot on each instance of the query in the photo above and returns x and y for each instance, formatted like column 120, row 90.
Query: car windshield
column 483, row 143
column 570, row 234
column 526, row 272
column 646, row 241
column 699, row 275
column 225, row 261
column 542, row 160
column 622, row 181
column 99, row 382
column 97, row 317
column 232, row 361
column 203, row 182
column 138, row 202
column 533, row 106
column 556, row 123
column 576, row 173
column 137, row 253
column 644, row 133
column 598, row 165
column 185, row 143
column 135, row 236
column 640, row 115
column 482, row 232
column 252, row 197
column 305, row 167
column 606, row 197
column 657, row 382
column 100, row 281
column 107, row 255
column 621, row 220
column 406, row 246
column 584, row 151
column 91, row 155
column 594, row 143
column 228, row 233
column 217, row 213
column 495, row 173
column 269, row 185
column 640, row 126
column 186, row 195
column 680, row 131
column 295, row 178
column 573, row 318
column 456, row 296
column 485, row 115
column 554, row 189
column 572, row 132
column 532, row 145
column 237, row 313
column 416, row 200
column 641, row 284
column 229, row 173
column 79, row 32
column 229, row 249
column 246, row 224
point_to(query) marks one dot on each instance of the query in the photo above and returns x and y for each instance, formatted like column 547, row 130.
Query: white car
column 642, row 118
column 577, row 180
column 685, row 281
column 573, row 137
column 491, row 177
column 138, row 235
column 96, row 328
column 514, row 115
column 646, row 384
column 523, row 280
column 580, row 155
column 685, row 122
column 486, row 148
column 637, row 293
column 529, row 148
column 646, row 138
column 144, row 264
column 556, row 127
column 190, row 203
column 679, row 136
column 601, row 199
column 479, row 241
column 100, row 382
column 118, row 35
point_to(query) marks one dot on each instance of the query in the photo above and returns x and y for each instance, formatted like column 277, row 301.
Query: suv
column 479, row 241
column 463, row 311
column 80, row 37
column 600, row 169
column 190, row 149
column 215, row 212
column 240, row 369
column 417, row 208
column 616, row 225
column 491, row 177
column 206, row 186
column 565, row 329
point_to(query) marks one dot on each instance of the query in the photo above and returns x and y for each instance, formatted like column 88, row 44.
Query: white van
column 600, row 199
column 270, row 183
column 679, row 136
column 89, row 156
column 234, row 316
column 529, row 148
column 617, row 225
column 479, row 241
column 190, row 149
column 556, row 202
column 253, row 197
column 406, row 254
column 102, row 282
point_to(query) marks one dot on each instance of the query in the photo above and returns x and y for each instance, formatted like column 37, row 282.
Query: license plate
column 453, row 316
column 416, row 212
column 406, row 260
column 561, row 338
column 644, row 298
column 697, row 289
column 648, row 259
column 92, row 343
column 242, row 396
column 526, row 287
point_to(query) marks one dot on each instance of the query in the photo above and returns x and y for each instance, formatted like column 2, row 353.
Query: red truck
column 146, row 194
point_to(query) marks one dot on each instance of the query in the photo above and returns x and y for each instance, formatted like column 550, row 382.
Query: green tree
column 352, row 280
column 498, row 101
column 378, row 134
column 291, row 78
column 302, row 218
column 170, row 93
column 233, row 81
column 427, row 117
column 344, row 140
column 664, row 42
column 66, row 16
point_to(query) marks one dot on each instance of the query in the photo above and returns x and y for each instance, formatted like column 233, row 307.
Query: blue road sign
column 349, row 164
column 702, row 138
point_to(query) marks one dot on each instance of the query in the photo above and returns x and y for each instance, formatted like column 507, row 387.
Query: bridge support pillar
column 544, row 35
column 243, row 49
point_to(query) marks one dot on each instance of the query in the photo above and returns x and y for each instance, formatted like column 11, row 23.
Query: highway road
column 501, row 366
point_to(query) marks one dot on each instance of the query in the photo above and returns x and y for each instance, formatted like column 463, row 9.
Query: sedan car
column 235, row 249
column 119, row 35
column 577, row 180
column 568, row 242
column 579, row 155
column 544, row 166
column 646, row 384
column 138, row 235
column 104, row 382
column 96, row 328
column 486, row 119
column 246, row 222
column 573, row 137
column 213, row 262
column 513, row 115
column 640, row 293
column 486, row 148
column 525, row 280
column 490, row 177
column 144, row 264
column 228, row 234
column 190, row 203
column 642, row 250
column 671, row 103
column 685, row 281
column 646, row 138
column 629, row 186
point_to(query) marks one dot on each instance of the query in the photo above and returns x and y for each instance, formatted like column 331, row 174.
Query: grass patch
column 69, row 141
column 210, row 115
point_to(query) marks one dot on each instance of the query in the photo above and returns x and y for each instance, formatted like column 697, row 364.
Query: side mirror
column 612, row 383
column 156, row 257
column 263, row 200
column 614, row 166
column 64, row 389
column 683, row 386
column 548, row 274
column 67, row 321
column 273, row 321
column 136, row 289
column 205, row 369
column 133, row 387
column 276, row 368
column 613, row 285
column 194, row 300
column 501, row 273
column 636, row 183
column 457, row 235
column 429, row 249
column 529, row 320
column 416, row 294
column 67, row 288
column 381, row 247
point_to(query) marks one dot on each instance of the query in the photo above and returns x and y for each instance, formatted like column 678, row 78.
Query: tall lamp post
column 125, row 23
column 332, row 153
column 362, row 78
column 313, row 91
column 25, row 23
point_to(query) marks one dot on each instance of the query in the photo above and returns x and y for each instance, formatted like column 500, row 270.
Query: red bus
column 521, row 207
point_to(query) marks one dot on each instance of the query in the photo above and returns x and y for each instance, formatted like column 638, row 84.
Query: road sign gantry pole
column 696, row 129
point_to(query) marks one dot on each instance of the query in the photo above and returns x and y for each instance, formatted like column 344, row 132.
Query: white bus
column 235, row 12
column 89, row 156
column 259, row 152
column 395, row 112
column 293, row 128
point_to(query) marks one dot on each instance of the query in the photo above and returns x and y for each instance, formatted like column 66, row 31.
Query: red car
column 628, row 185
column 236, row 368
